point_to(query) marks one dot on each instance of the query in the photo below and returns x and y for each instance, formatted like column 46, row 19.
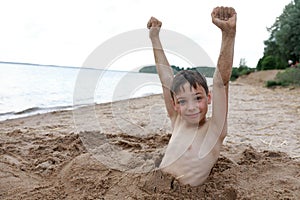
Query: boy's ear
column 209, row 96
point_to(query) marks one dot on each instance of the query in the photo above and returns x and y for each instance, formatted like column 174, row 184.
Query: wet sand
column 110, row 151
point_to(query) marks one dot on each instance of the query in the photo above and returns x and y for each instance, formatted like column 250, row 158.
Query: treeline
column 290, row 76
column 282, row 48
column 243, row 69
column 206, row 71
column 281, row 51
column 283, row 45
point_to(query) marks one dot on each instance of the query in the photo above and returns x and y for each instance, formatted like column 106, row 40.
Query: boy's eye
column 198, row 98
column 181, row 102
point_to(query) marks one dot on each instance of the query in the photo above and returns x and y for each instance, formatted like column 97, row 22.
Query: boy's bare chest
column 194, row 135
column 186, row 140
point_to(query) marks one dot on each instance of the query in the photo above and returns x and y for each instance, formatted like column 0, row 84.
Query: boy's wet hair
column 193, row 77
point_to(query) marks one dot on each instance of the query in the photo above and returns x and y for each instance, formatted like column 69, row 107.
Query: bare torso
column 183, row 159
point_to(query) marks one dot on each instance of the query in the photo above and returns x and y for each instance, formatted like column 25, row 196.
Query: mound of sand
column 59, row 167
column 258, row 78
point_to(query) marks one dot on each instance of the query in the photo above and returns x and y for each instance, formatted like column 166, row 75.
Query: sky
column 64, row 32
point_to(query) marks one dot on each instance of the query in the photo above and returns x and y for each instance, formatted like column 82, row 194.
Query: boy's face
column 192, row 104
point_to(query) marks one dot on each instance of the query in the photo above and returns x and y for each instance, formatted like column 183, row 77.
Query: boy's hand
column 225, row 19
column 154, row 27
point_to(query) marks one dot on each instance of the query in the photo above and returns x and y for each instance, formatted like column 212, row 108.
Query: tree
column 269, row 62
column 242, row 62
column 284, row 41
column 243, row 69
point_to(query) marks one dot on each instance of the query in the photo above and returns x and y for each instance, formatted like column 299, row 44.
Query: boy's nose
column 191, row 105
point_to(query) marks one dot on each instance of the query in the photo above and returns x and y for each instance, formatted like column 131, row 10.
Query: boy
column 196, row 140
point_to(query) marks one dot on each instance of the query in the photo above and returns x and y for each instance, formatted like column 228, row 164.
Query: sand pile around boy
column 57, row 167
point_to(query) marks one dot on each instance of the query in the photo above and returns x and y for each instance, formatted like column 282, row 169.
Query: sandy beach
column 110, row 151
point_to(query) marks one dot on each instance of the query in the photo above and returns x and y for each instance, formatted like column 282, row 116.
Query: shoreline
column 28, row 112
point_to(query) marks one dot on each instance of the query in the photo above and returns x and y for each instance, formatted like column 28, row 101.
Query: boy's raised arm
column 163, row 68
column 225, row 19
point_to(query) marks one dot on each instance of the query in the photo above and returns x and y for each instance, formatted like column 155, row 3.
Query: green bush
column 291, row 76
column 240, row 71
column 234, row 74
column 272, row 83
column 268, row 62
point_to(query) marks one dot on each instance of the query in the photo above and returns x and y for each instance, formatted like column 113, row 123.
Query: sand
column 111, row 151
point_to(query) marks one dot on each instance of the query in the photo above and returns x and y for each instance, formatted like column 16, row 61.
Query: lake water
column 30, row 89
